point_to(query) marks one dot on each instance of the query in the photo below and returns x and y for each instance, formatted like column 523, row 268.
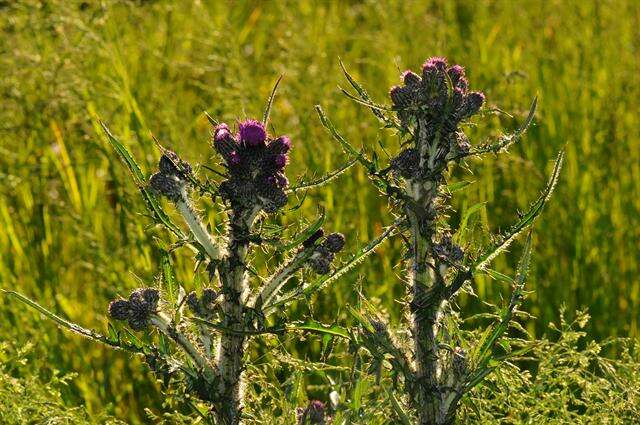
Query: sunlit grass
column 69, row 213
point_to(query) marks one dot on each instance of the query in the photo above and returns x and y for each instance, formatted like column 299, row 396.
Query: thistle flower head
column 334, row 242
column 432, row 108
column 256, row 164
column 252, row 133
column 436, row 62
column 141, row 304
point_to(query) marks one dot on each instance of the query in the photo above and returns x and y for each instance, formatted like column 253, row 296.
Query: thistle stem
column 197, row 228
column 273, row 285
column 426, row 301
column 164, row 325
column 232, row 345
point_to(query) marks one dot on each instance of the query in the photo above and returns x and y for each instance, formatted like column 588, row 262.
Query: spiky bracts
column 431, row 108
column 255, row 163
column 137, row 310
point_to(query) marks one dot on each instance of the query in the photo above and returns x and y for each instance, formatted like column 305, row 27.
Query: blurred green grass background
column 74, row 234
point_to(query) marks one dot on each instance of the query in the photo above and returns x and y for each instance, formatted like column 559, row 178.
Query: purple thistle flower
column 280, row 161
column 437, row 62
column 410, row 78
column 281, row 145
column 252, row 133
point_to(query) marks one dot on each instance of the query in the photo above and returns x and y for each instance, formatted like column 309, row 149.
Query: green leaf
column 491, row 336
column 304, row 235
column 359, row 256
column 508, row 140
column 152, row 203
column 73, row 327
column 346, row 146
column 314, row 326
column 322, row 180
column 267, row 110
column 525, row 221
column 168, row 276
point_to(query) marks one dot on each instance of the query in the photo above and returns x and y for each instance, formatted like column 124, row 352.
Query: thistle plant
column 198, row 340
column 427, row 354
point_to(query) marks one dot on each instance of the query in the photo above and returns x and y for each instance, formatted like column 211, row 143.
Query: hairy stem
column 273, row 285
column 232, row 345
column 164, row 325
column 426, row 300
column 197, row 228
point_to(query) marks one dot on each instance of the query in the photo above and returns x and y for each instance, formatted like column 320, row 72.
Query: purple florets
column 255, row 164
column 280, row 161
column 252, row 133
column 436, row 62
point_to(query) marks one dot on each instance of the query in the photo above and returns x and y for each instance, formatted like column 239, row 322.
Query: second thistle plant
column 428, row 111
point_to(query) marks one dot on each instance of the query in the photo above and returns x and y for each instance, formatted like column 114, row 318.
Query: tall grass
column 71, row 232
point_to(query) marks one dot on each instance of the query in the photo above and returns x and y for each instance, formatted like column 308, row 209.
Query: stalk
column 197, row 227
column 232, row 345
column 425, row 306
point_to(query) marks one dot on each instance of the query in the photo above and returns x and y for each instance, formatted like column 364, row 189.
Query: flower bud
column 320, row 265
column 280, row 161
column 280, row 145
column 221, row 132
column 334, row 242
column 192, row 302
column 313, row 414
column 407, row 163
column 119, row 309
column 282, row 180
column 209, row 296
column 168, row 185
column 471, row 104
column 410, row 78
column 234, row 158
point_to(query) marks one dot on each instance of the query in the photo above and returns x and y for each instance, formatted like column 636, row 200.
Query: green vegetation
column 74, row 234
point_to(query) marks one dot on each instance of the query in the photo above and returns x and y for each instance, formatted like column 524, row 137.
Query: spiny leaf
column 305, row 234
column 73, row 327
column 267, row 110
column 483, row 352
column 346, row 146
column 152, row 203
column 525, row 221
column 365, row 99
column 320, row 328
column 322, row 180
column 352, row 262
column 508, row 140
